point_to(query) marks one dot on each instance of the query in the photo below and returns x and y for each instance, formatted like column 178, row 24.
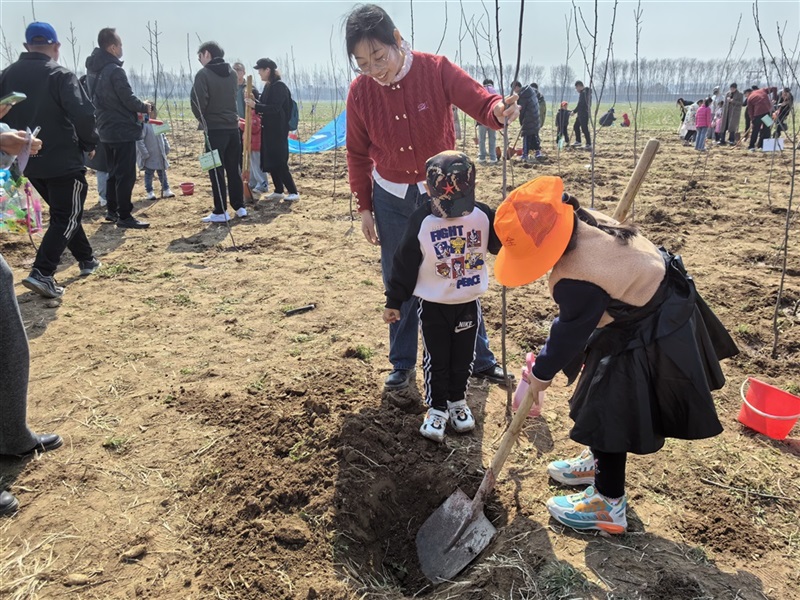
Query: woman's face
column 264, row 74
column 380, row 61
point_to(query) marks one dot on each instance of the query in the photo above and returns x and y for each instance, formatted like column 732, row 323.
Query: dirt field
column 242, row 454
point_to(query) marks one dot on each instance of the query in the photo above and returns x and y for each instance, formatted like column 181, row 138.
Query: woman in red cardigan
column 399, row 115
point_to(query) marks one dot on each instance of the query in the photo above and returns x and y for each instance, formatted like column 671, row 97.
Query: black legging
column 282, row 177
column 609, row 475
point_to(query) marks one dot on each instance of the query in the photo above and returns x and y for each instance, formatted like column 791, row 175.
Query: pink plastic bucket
column 767, row 409
column 187, row 189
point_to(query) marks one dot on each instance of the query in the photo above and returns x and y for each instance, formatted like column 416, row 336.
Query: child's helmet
column 451, row 184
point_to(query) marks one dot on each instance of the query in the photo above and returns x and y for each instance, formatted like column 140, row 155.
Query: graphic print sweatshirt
column 443, row 260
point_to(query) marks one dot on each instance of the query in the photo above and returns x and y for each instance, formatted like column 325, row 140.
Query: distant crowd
column 765, row 116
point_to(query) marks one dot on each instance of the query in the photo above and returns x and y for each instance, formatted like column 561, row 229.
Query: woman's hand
column 14, row 142
column 391, row 315
column 507, row 109
column 4, row 108
column 368, row 227
column 250, row 102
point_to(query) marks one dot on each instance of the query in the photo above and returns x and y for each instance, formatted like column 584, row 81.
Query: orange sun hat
column 534, row 226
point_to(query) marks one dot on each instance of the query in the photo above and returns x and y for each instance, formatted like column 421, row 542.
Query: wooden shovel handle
column 645, row 160
column 248, row 127
column 506, row 444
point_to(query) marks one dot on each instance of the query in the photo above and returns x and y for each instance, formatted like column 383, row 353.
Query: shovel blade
column 440, row 558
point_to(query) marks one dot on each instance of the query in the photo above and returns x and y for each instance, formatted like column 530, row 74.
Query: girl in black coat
column 275, row 108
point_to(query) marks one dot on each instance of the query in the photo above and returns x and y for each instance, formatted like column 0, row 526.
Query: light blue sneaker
column 589, row 510
column 573, row 471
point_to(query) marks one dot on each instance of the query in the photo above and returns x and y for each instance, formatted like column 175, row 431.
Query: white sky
column 249, row 30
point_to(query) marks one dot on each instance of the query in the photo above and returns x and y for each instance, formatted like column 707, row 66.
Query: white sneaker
column 292, row 198
column 274, row 196
column 102, row 202
column 167, row 193
column 461, row 418
column 150, row 196
column 573, row 471
column 241, row 212
column 433, row 425
column 215, row 218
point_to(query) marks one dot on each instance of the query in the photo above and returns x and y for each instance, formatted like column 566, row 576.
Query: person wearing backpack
column 275, row 105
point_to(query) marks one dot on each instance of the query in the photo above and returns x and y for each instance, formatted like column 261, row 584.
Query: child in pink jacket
column 703, row 122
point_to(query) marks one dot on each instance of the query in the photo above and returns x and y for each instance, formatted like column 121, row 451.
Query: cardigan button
column 410, row 148
column 402, row 149
column 405, row 116
column 416, row 172
column 396, row 118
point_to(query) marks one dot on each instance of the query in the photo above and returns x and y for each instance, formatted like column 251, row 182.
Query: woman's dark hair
column 680, row 102
column 368, row 22
column 622, row 233
column 213, row 49
column 708, row 101
column 490, row 82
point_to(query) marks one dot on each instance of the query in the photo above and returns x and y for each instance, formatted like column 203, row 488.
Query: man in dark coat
column 582, row 110
column 528, row 119
column 120, row 117
column 58, row 104
column 213, row 99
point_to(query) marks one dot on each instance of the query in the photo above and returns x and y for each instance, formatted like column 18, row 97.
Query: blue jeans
column 148, row 179
column 391, row 219
column 483, row 131
column 102, row 183
column 700, row 142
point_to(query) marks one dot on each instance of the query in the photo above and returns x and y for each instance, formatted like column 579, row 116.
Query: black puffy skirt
column 648, row 375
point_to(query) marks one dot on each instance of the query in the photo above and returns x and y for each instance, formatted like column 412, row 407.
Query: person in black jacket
column 57, row 103
column 213, row 99
column 120, row 115
column 442, row 260
column 528, row 119
column 275, row 108
column 582, row 110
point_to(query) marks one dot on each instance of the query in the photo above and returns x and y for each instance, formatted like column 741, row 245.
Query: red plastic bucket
column 187, row 189
column 767, row 409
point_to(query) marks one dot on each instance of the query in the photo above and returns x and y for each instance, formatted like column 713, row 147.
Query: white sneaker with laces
column 215, row 218
column 150, row 196
column 274, row 196
column 434, row 424
column 241, row 212
column 574, row 471
column 292, row 198
column 461, row 418
column 167, row 193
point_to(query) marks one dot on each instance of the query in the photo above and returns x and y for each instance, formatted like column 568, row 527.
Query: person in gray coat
column 731, row 115
column 151, row 155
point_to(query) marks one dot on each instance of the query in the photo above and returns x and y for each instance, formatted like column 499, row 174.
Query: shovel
column 247, row 139
column 458, row 531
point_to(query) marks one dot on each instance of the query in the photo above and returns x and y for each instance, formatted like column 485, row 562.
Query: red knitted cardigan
column 398, row 127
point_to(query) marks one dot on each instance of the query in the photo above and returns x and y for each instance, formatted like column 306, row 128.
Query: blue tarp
column 329, row 137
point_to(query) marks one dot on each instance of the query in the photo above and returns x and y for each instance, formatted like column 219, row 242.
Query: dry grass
column 25, row 567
